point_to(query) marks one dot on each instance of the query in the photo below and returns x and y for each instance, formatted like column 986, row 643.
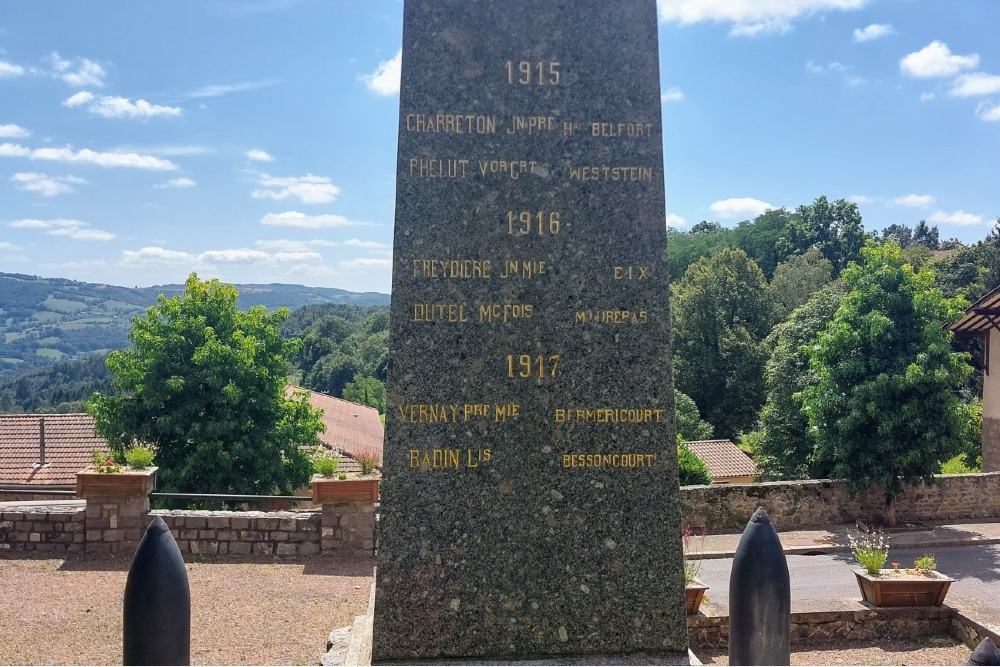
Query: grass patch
column 11, row 360
column 46, row 316
column 49, row 353
column 64, row 305
column 11, row 337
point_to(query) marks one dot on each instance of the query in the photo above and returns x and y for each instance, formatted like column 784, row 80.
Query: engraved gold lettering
column 505, row 312
column 630, row 130
column 447, row 459
column 608, row 460
column 611, row 317
column 447, row 123
column 527, row 365
column 451, row 268
column 439, row 312
column 531, row 124
column 429, row 413
column 606, row 173
column 513, row 168
column 526, row 72
column 632, row 272
column 522, row 269
column 504, row 412
column 608, row 415
column 438, row 168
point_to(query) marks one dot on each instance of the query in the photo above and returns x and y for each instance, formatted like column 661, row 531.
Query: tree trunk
column 890, row 512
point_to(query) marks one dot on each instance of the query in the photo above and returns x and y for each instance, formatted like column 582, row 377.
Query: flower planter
column 891, row 588
column 694, row 593
column 332, row 490
column 127, row 483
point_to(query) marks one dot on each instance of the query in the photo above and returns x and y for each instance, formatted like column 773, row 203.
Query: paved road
column 975, row 568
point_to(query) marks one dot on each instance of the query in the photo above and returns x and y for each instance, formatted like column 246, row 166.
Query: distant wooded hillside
column 45, row 320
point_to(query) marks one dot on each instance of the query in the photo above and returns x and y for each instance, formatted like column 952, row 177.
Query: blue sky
column 255, row 140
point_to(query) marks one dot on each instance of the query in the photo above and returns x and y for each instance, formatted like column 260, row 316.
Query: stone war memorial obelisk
column 529, row 492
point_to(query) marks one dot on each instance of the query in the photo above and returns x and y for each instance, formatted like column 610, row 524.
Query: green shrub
column 926, row 564
column 140, row 456
column 326, row 466
column 692, row 470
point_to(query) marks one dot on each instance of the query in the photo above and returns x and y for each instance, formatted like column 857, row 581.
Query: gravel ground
column 247, row 612
column 933, row 650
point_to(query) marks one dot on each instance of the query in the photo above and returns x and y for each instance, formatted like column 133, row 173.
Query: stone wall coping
column 250, row 514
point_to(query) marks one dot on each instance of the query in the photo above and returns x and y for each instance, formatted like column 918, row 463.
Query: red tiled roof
column 723, row 458
column 349, row 427
column 69, row 441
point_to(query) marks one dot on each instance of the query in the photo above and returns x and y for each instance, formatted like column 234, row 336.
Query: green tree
column 760, row 239
column 885, row 409
column 365, row 390
column 835, row 229
column 784, row 444
column 703, row 240
column 721, row 310
column 204, row 384
column 799, row 277
column 690, row 425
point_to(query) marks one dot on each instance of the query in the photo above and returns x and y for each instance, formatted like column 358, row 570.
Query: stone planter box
column 333, row 490
column 892, row 589
column 694, row 593
column 128, row 483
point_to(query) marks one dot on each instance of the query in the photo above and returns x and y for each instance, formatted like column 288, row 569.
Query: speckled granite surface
column 529, row 493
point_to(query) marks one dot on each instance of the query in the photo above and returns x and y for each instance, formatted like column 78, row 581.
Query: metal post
column 759, row 597
column 157, row 605
column 985, row 654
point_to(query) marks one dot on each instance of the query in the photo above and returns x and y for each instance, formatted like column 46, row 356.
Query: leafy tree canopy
column 721, row 310
column 691, row 469
column 366, row 391
column 204, row 384
column 885, row 409
column 690, row 425
column 835, row 229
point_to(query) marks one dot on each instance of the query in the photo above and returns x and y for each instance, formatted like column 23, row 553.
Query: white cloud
column 988, row 111
column 672, row 95
column 674, row 220
column 10, row 70
column 813, row 68
column 87, row 156
column 12, row 131
column 367, row 245
column 926, row 97
column 935, row 60
column 309, row 189
column 914, row 201
column 739, row 206
column 155, row 256
column 958, row 217
column 119, row 107
column 74, row 229
column 366, row 263
column 860, row 199
column 259, row 155
column 168, row 150
column 78, row 72
column 855, row 81
column 977, row 83
column 78, row 99
column 287, row 245
column 296, row 219
column 385, row 79
column 225, row 89
column 47, row 186
column 873, row 31
column 749, row 18
column 177, row 183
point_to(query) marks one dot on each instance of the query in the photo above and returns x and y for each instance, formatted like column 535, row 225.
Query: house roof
column 980, row 317
column 350, row 428
column 723, row 458
column 69, row 441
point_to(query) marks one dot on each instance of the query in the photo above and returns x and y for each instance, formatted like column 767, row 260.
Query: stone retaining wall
column 243, row 533
column 824, row 502
column 28, row 529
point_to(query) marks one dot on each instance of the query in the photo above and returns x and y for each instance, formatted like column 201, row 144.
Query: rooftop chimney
column 42, row 463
